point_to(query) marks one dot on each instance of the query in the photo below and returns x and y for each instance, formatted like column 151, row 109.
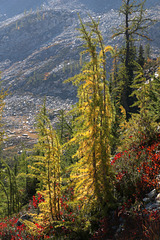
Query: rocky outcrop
column 152, row 199
column 23, row 218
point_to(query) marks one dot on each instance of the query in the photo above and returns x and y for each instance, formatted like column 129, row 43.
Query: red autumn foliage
column 137, row 170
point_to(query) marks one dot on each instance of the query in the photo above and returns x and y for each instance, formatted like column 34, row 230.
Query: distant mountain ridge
column 39, row 49
column 14, row 7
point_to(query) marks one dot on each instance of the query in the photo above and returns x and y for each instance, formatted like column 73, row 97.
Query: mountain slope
column 40, row 49
column 14, row 7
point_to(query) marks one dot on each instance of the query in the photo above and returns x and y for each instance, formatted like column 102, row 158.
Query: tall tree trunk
column 127, row 34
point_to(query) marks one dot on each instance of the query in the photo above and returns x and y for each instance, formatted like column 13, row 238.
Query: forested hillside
column 90, row 168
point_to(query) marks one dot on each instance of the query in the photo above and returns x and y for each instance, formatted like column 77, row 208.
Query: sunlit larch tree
column 92, row 173
column 46, row 168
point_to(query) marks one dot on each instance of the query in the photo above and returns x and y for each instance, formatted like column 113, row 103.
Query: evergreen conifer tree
column 92, row 173
column 154, row 96
column 46, row 168
column 135, row 27
column 141, row 58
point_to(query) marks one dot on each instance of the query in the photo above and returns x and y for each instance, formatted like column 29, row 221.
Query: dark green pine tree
column 144, row 89
column 154, row 94
column 141, row 59
column 147, row 51
column 8, row 186
column 134, row 27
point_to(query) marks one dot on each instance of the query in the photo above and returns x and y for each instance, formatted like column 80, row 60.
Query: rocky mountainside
column 10, row 8
column 39, row 47
column 37, row 51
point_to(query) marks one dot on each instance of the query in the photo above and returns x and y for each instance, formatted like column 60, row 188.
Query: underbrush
column 136, row 172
